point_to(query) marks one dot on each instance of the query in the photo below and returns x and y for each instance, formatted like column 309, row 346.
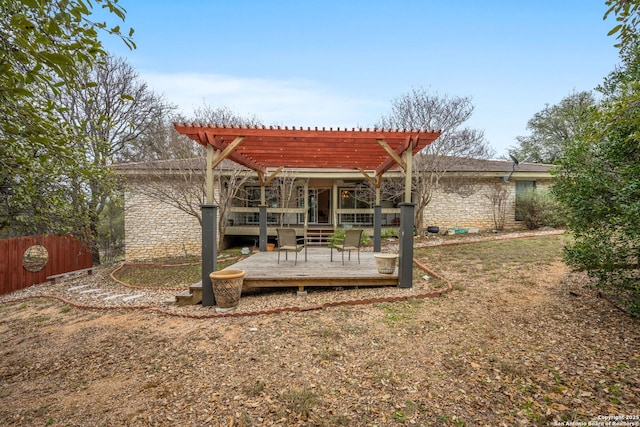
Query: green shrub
column 538, row 208
column 388, row 233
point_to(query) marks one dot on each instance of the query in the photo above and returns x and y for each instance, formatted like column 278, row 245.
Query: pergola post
column 377, row 226
column 305, row 204
column 208, row 181
column 405, row 269
column 209, row 251
column 407, row 224
column 263, row 228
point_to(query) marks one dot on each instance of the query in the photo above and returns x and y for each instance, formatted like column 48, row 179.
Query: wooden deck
column 262, row 270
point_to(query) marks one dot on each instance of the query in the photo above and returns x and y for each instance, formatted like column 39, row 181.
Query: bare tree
column 230, row 177
column 162, row 142
column 176, row 182
column 176, row 173
column 284, row 190
column 420, row 110
column 111, row 109
column 223, row 115
column 498, row 197
column 181, row 183
column 229, row 183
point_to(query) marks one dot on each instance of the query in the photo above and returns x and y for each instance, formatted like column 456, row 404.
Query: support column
column 305, row 204
column 263, row 228
column 408, row 176
column 377, row 228
column 209, row 251
column 208, row 180
column 405, row 269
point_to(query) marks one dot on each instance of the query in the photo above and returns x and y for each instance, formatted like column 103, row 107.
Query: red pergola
column 260, row 147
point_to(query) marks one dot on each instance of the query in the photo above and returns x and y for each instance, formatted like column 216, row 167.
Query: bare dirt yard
column 518, row 342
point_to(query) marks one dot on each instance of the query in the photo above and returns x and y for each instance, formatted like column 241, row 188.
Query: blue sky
column 341, row 63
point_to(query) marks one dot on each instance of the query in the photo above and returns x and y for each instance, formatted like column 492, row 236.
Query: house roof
column 162, row 165
column 260, row 148
column 463, row 164
column 452, row 164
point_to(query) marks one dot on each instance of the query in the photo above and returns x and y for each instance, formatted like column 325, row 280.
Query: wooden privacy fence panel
column 65, row 254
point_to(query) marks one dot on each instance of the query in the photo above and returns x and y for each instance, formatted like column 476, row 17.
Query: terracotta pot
column 227, row 287
column 271, row 247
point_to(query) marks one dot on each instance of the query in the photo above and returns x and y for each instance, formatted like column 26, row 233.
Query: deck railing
column 244, row 216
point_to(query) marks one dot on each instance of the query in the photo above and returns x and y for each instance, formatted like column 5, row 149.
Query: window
column 252, row 195
column 355, row 198
column 358, row 197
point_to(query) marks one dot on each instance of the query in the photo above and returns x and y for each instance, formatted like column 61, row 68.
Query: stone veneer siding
column 452, row 210
column 154, row 229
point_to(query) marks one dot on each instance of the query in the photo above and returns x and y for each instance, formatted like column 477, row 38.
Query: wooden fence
column 63, row 254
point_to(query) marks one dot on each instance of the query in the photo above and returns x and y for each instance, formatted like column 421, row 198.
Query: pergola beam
column 375, row 181
column 230, row 151
column 227, row 151
column 392, row 160
column 265, row 182
column 394, row 155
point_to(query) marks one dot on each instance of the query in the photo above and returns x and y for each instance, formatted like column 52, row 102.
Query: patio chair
column 351, row 242
column 289, row 242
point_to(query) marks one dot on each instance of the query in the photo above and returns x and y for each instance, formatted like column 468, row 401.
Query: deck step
column 196, row 290
column 184, row 298
column 190, row 296
column 318, row 236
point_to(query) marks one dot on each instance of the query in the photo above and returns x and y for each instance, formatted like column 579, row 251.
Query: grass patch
column 299, row 401
column 256, row 388
column 475, row 259
column 159, row 276
column 330, row 355
column 171, row 272
column 418, row 278
column 399, row 312
column 487, row 257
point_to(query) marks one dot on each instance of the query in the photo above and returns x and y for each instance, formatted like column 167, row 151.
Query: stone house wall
column 154, row 229
column 471, row 206
column 451, row 209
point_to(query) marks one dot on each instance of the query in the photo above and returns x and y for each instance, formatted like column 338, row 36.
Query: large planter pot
column 227, row 287
column 386, row 263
